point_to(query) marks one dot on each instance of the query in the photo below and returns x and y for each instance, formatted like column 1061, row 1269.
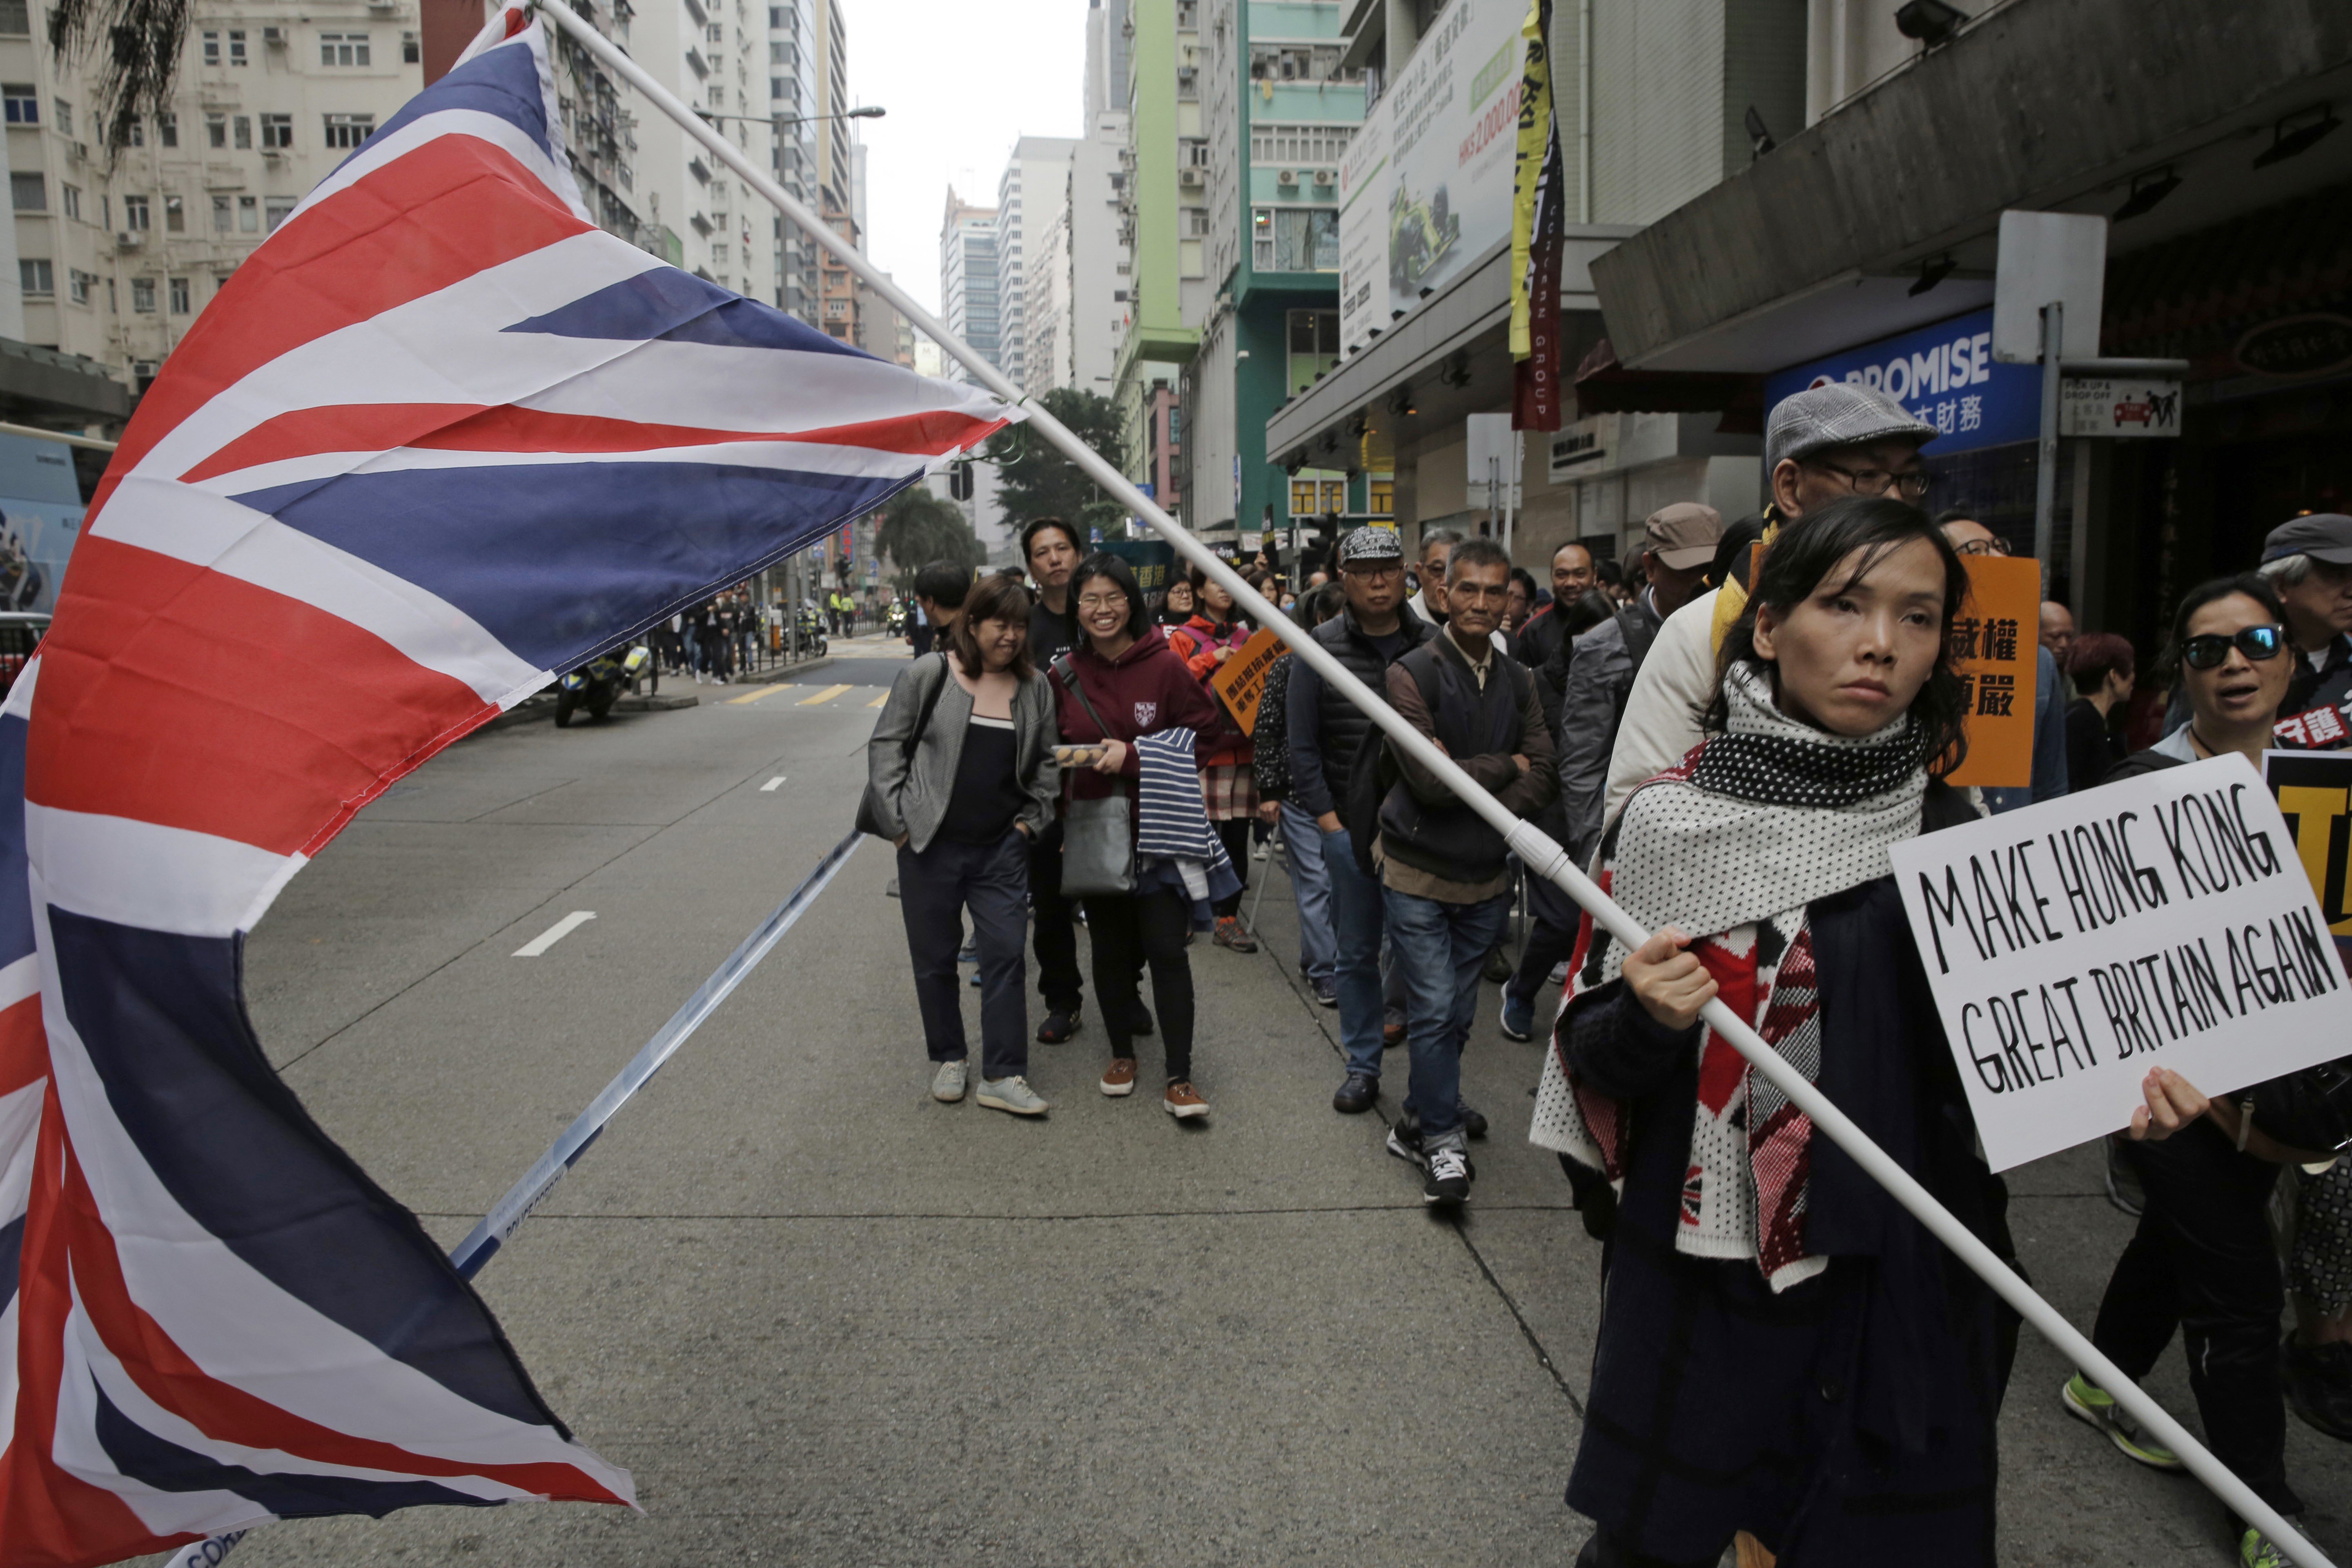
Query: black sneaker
column 1445, row 1178
column 1356, row 1096
column 1473, row 1124
column 1059, row 1027
column 2318, row 1381
column 1404, row 1141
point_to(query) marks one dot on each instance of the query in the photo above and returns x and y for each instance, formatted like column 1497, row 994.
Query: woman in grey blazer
column 962, row 776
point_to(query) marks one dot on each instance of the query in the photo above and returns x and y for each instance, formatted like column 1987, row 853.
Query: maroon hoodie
column 1144, row 690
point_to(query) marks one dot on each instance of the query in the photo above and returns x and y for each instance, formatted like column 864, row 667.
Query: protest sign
column 1995, row 644
column 2313, row 791
column 2161, row 921
column 1241, row 680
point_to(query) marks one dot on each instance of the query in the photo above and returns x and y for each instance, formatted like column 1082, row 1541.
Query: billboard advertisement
column 40, row 518
column 1425, row 187
column 1943, row 376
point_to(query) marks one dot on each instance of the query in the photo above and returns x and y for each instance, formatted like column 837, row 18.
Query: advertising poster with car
column 40, row 518
column 1425, row 188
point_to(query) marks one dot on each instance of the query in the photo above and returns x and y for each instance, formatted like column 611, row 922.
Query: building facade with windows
column 1032, row 200
column 968, row 301
column 1165, row 223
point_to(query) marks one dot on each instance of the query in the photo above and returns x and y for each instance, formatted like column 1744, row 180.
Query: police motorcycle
column 596, row 684
column 814, row 640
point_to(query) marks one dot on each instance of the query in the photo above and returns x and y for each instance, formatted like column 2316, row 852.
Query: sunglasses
column 2257, row 643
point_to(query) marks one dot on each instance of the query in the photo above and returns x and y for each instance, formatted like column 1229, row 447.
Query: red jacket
column 1197, row 642
column 1146, row 688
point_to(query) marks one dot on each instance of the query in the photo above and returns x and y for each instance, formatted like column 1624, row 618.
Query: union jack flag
column 438, row 439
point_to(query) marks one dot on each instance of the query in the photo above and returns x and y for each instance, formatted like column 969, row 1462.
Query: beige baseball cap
column 1683, row 535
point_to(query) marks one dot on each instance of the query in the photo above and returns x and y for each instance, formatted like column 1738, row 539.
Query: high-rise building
column 1029, row 196
column 794, row 64
column 837, row 292
column 1077, row 285
column 968, row 282
column 712, row 54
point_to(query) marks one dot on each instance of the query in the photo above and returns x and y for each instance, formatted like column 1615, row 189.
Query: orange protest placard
column 1996, row 644
column 1241, row 680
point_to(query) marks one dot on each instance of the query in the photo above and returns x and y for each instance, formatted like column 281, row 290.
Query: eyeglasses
column 1995, row 545
column 1102, row 602
column 1876, row 481
column 1374, row 569
column 2257, row 643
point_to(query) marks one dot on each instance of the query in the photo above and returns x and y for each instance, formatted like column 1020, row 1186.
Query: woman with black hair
column 1228, row 789
column 1121, row 684
column 1783, row 1349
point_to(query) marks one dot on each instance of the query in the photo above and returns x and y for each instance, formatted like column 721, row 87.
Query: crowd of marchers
column 1730, row 737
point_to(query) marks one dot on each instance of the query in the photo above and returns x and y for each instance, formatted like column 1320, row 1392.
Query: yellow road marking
column 756, row 696
column 827, row 695
column 879, row 700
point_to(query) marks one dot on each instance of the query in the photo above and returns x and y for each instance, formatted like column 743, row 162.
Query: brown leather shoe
column 1231, row 934
column 1184, row 1101
column 1392, row 1034
column 1118, row 1080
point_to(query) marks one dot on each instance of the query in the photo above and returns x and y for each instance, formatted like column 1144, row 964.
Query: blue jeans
column 1302, row 845
column 1440, row 950
column 1356, row 918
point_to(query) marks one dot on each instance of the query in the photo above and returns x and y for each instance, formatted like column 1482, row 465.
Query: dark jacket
column 1600, row 679
column 1049, row 633
column 1270, row 737
column 1146, row 688
column 1539, row 636
column 1423, row 822
column 1327, row 731
column 2090, row 747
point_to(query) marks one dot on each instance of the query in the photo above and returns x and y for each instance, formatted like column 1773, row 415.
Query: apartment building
column 713, row 54
column 1030, row 196
column 794, row 63
column 118, row 247
column 968, row 301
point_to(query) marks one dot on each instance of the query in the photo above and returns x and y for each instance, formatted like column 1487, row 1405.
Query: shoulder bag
column 869, row 819
column 1097, row 836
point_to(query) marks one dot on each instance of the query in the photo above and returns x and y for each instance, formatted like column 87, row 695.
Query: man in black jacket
column 1050, row 548
column 1446, row 875
column 1542, row 633
column 1325, row 732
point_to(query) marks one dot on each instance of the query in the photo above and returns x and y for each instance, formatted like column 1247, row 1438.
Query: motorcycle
column 596, row 684
column 895, row 623
column 812, row 635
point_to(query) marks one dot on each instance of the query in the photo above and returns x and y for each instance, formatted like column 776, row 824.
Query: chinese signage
column 40, row 518
column 1425, row 186
column 1943, row 376
column 1996, row 650
column 2072, row 945
column 2313, row 790
column 2103, row 407
column 1241, row 680
column 1149, row 558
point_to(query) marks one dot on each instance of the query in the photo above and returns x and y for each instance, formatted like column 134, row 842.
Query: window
column 181, row 296
column 175, row 216
column 1383, row 497
column 277, row 131
column 718, row 96
column 342, row 49
column 167, row 130
column 242, row 124
column 716, row 33
column 142, row 295
column 221, row 207
column 65, row 114
column 1196, row 221
column 235, row 47
column 1310, row 146
column 70, row 200
column 342, row 129
column 77, row 284
column 215, row 129
column 23, row 102
column 36, row 277
column 211, row 48
column 248, row 215
column 137, row 132
column 29, row 193
column 15, row 17
column 718, row 254
column 409, row 51
column 134, row 212
column 1294, row 239
column 276, row 209
column 1175, row 426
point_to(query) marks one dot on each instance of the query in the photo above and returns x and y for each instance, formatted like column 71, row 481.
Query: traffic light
column 960, row 480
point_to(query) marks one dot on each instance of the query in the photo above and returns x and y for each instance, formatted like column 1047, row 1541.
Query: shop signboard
column 1944, row 375
column 1425, row 187
column 40, row 518
column 2105, row 406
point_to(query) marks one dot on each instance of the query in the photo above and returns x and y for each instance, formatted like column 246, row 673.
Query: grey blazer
column 911, row 795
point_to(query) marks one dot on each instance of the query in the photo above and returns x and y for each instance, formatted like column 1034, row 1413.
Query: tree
column 919, row 528
column 142, row 41
column 1034, row 480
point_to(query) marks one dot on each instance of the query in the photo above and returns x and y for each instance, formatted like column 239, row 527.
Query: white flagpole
column 1542, row 856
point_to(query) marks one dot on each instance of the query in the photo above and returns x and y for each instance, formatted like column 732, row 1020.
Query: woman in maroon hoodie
column 1134, row 684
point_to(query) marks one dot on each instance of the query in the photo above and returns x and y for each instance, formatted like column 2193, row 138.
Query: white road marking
column 555, row 933
column 772, row 784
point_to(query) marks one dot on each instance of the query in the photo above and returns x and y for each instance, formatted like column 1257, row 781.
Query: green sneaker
column 2087, row 1401
column 2257, row 1550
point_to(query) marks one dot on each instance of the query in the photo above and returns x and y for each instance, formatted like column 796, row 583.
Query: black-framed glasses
column 1876, row 481
column 2257, row 643
column 1992, row 545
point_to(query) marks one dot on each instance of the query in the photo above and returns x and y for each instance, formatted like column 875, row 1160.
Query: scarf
column 1753, row 825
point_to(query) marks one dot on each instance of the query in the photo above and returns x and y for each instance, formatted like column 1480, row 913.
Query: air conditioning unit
column 1326, row 176
column 128, row 239
column 274, row 36
column 1287, row 177
column 1190, row 176
column 81, row 152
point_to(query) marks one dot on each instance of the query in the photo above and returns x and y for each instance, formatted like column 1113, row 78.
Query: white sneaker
column 1012, row 1094
column 947, row 1084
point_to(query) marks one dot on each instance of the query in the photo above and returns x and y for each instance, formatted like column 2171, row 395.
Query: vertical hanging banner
column 2071, row 946
column 1996, row 646
column 1538, row 214
column 2313, row 791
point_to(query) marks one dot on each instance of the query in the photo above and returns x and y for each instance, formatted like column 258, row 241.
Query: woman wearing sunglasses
column 2202, row 1262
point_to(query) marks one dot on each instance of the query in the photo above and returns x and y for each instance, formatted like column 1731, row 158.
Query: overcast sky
column 962, row 80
